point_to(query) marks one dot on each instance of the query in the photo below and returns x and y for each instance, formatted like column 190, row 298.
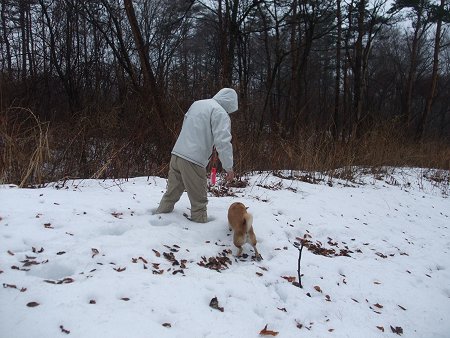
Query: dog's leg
column 252, row 241
column 257, row 254
column 239, row 252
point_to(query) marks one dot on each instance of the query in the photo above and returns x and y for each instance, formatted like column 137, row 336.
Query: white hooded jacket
column 207, row 124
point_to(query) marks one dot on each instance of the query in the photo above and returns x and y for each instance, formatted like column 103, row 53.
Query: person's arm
column 221, row 130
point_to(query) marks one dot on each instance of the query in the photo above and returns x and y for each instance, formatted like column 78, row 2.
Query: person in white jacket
column 206, row 124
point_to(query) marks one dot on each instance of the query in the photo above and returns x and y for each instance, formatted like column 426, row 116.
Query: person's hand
column 230, row 176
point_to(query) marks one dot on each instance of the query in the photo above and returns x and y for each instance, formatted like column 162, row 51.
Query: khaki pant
column 186, row 175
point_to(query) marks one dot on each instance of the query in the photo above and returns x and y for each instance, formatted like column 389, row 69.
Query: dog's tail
column 248, row 217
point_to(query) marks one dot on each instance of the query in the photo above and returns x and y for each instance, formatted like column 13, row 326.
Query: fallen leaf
column 120, row 269
column 143, row 260
column 156, row 253
column 259, row 274
column 290, row 279
column 379, row 254
column 282, row 309
column 10, row 252
column 168, row 325
column 330, row 330
column 92, row 301
column 380, row 328
column 265, row 332
column 401, row 307
column 63, row 330
column 95, row 252
column 60, row 253
column 377, row 283
column 66, row 280
column 32, row 304
column 398, row 330
column 125, row 299
column 378, row 305
column 214, row 303
column 317, row 288
column 117, row 214
column 11, row 286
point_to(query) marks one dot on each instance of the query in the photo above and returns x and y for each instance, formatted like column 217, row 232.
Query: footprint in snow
column 159, row 220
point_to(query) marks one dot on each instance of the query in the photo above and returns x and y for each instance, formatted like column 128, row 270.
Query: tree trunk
column 150, row 86
column 5, row 38
column 337, row 91
column 434, row 76
column 412, row 68
column 357, row 69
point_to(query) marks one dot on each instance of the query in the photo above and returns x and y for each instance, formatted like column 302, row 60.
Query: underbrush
column 35, row 152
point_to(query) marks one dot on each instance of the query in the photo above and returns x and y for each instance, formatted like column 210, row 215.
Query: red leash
column 214, row 166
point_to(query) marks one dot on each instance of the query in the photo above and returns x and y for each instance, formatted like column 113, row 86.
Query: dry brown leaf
column 95, row 252
column 63, row 330
column 117, row 214
column 317, row 288
column 11, row 286
column 214, row 303
column 11, row 253
column 120, row 269
column 381, row 328
column 32, row 304
column 168, row 325
column 378, row 305
column 290, row 279
column 143, row 260
column 398, row 330
column 125, row 299
column 265, row 332
column 401, row 307
column 156, row 253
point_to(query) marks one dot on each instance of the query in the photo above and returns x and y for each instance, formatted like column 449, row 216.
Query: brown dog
column 241, row 222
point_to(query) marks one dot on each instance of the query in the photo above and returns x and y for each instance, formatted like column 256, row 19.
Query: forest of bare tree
column 98, row 88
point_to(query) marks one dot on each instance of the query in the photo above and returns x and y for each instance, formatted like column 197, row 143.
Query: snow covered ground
column 88, row 259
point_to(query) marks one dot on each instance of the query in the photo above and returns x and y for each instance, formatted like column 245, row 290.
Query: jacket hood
column 228, row 99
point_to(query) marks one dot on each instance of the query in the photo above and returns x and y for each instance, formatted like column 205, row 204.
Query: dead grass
column 24, row 145
column 34, row 152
